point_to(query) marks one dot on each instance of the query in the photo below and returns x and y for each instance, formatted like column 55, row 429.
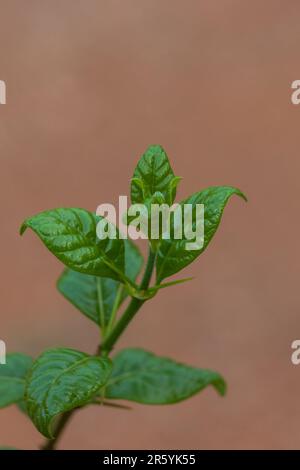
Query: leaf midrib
column 134, row 373
column 73, row 366
column 100, row 301
column 10, row 378
column 75, row 231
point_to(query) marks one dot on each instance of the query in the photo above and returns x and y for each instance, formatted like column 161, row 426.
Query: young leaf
column 141, row 376
column 172, row 254
column 133, row 260
column 93, row 296
column 70, row 234
column 62, row 379
column 96, row 297
column 152, row 174
column 12, row 378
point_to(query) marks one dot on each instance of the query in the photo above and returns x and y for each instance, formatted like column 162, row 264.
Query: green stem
column 131, row 310
column 108, row 344
column 149, row 270
column 101, row 305
column 115, row 308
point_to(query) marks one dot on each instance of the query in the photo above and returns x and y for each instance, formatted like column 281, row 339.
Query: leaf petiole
column 114, row 309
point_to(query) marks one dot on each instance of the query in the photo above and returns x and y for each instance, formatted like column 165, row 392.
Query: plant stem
column 60, row 426
column 115, row 308
column 101, row 306
column 108, row 344
column 131, row 310
column 149, row 270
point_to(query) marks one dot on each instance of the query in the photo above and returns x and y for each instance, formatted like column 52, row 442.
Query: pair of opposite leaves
column 62, row 379
column 70, row 234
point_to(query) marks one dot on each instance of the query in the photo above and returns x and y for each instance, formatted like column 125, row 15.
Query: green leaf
column 152, row 174
column 172, row 254
column 133, row 260
column 62, row 379
column 70, row 234
column 22, row 406
column 12, row 378
column 97, row 297
column 142, row 377
column 93, row 296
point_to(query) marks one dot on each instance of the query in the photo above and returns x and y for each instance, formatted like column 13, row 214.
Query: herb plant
column 99, row 277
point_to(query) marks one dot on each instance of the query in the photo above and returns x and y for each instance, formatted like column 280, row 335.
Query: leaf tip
column 23, row 227
column 221, row 386
column 155, row 147
column 242, row 195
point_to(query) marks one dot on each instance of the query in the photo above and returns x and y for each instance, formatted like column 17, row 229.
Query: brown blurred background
column 90, row 84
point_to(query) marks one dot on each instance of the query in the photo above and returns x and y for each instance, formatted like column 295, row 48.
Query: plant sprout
column 101, row 280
